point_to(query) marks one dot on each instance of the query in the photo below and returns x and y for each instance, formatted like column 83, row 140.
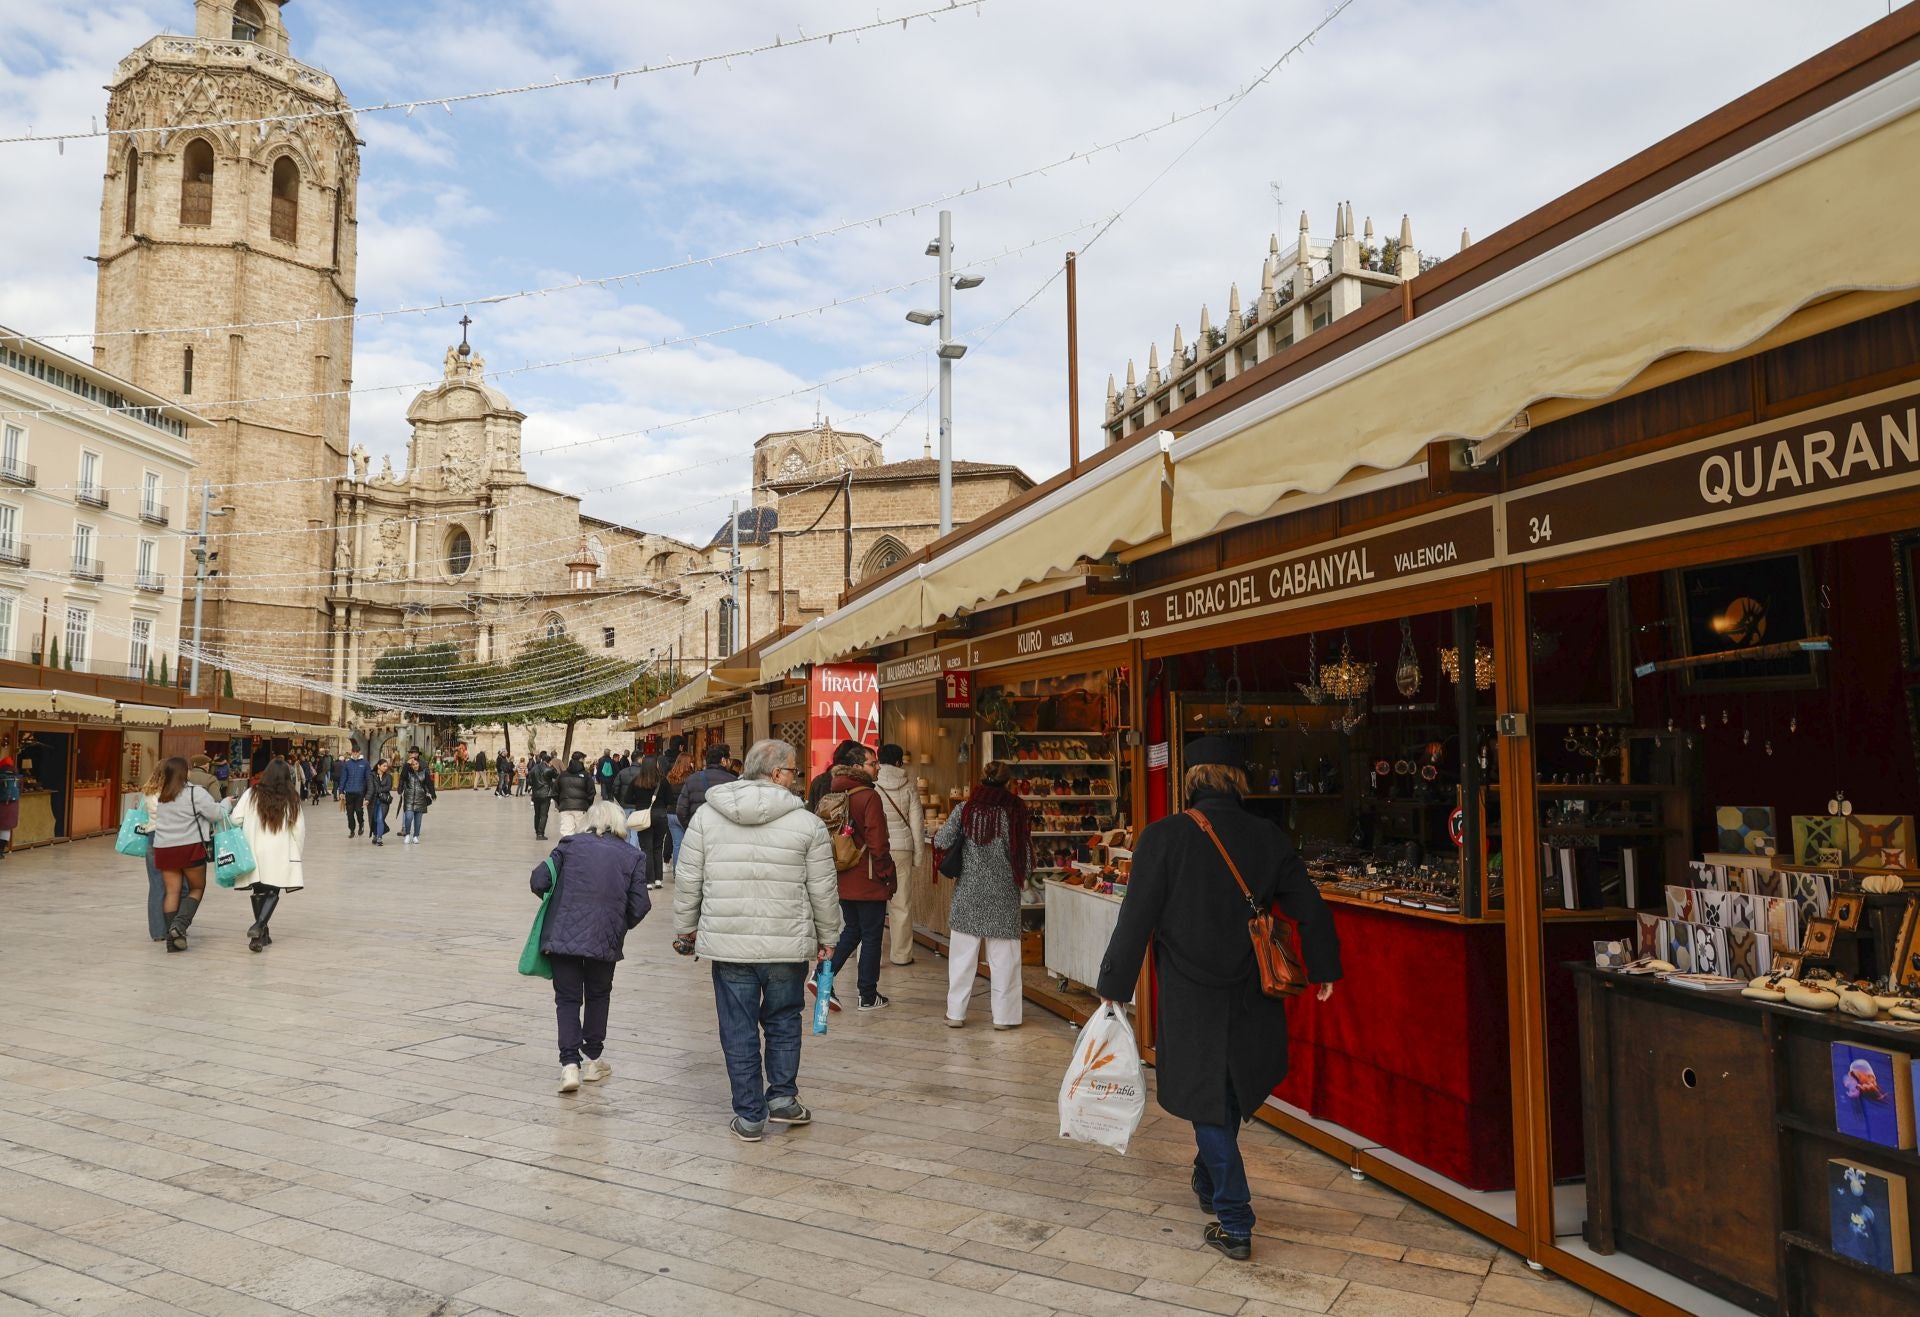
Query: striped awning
column 74, row 705
column 188, row 718
column 20, row 700
column 223, row 722
column 145, row 715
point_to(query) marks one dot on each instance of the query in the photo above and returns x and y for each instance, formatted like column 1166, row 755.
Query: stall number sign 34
column 1540, row 529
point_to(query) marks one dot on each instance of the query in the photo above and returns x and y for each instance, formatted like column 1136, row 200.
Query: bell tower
column 225, row 214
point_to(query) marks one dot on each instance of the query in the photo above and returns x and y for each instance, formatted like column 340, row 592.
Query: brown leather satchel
column 1280, row 972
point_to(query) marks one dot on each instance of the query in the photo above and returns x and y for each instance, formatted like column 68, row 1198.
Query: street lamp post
column 948, row 352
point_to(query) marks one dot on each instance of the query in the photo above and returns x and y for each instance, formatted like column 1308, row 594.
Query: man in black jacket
column 693, row 794
column 842, row 754
column 574, row 793
column 540, row 784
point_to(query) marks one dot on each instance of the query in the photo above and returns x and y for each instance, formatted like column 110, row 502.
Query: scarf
column 856, row 772
column 987, row 810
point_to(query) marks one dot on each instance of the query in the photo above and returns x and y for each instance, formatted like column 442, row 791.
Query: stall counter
column 36, row 819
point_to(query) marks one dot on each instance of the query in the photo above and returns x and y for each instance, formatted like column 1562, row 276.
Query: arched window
column 285, row 224
column 459, row 552
column 553, row 626
column 339, row 218
column 660, row 567
column 196, row 183
column 130, row 213
column 247, row 21
column 882, row 556
column 186, row 372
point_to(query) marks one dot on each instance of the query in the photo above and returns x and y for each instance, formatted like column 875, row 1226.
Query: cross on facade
column 466, row 349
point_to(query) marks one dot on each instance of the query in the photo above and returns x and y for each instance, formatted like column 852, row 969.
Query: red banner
column 843, row 704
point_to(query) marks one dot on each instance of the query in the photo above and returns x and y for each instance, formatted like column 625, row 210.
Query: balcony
column 14, row 553
column 154, row 513
column 89, row 569
column 15, row 472
column 91, row 495
column 150, row 582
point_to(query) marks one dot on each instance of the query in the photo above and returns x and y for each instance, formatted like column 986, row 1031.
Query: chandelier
column 1348, row 678
column 1482, row 665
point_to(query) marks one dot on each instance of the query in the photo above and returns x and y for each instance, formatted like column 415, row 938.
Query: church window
column 286, row 200
column 881, row 556
column 186, row 371
column 606, row 637
column 247, row 21
column 339, row 219
column 794, row 468
column 196, row 183
column 553, row 626
column 459, row 552
column 131, row 211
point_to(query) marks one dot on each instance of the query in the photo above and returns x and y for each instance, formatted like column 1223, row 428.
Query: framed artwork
column 1745, row 829
column 1786, row 964
column 1726, row 607
column 1577, row 639
column 1905, row 966
column 1844, row 910
column 1879, row 841
column 1818, row 937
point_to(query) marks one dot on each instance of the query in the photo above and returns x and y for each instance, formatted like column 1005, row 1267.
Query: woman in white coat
column 270, row 815
column 906, row 842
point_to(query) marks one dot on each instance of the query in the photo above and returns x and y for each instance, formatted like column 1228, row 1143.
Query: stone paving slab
column 362, row 1119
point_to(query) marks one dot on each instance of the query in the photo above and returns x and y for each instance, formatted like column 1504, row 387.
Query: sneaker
column 791, row 1114
column 569, row 1079
column 595, row 1070
column 813, row 994
column 746, row 1133
column 1237, row 1247
column 873, row 1003
column 955, row 1024
column 1001, row 1028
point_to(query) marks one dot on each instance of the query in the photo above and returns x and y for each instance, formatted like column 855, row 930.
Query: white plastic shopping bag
column 1105, row 1093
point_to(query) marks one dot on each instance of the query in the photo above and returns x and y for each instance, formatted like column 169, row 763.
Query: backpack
column 835, row 811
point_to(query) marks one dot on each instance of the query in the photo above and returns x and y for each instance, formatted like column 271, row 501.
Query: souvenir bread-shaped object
column 1812, row 997
column 1768, row 987
column 1906, row 1008
column 1882, row 884
column 1858, row 1004
column 1660, row 966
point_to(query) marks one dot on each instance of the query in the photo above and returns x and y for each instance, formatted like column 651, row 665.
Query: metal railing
column 91, row 495
column 154, row 512
column 16, row 472
column 15, row 553
column 151, row 582
column 89, row 569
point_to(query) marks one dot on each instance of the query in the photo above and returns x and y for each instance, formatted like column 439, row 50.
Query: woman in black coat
column 1222, row 1042
column 603, row 895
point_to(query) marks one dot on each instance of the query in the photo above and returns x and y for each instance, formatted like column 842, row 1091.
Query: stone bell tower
column 225, row 216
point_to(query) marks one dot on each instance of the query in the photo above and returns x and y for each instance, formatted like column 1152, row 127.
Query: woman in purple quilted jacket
column 602, row 896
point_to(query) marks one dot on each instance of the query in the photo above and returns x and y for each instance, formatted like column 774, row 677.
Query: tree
column 53, row 652
column 227, row 679
column 165, row 680
column 560, row 663
column 149, row 669
column 417, row 678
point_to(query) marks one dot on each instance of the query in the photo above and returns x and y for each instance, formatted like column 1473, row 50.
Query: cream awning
column 73, row 704
column 145, row 715
column 1117, row 504
column 1710, row 265
column 188, row 718
column 223, row 722
column 709, row 685
column 25, row 700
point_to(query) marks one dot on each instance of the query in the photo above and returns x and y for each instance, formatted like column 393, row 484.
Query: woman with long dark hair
column 379, row 800
column 183, row 815
column 269, row 813
column 635, row 789
column 995, row 835
column 667, row 796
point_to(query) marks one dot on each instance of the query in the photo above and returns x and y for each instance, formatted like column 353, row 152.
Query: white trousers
column 1003, row 973
column 900, row 918
column 570, row 821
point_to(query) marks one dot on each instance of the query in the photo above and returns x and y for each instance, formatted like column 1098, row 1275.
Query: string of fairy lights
column 501, row 690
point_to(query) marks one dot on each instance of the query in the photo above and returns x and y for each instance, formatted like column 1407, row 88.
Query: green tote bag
column 533, row 961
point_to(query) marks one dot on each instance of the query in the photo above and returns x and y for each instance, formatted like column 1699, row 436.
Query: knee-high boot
column 182, row 921
column 258, row 936
column 254, row 898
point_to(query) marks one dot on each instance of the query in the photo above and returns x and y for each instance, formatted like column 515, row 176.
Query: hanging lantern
column 1482, row 665
column 1311, row 687
column 1406, row 676
column 1348, row 678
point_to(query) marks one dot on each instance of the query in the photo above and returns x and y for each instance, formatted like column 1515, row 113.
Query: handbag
column 133, row 841
column 640, row 820
column 950, row 861
column 231, row 856
column 533, row 961
column 1280, row 972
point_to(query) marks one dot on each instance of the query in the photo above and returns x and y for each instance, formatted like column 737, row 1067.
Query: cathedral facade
column 221, row 212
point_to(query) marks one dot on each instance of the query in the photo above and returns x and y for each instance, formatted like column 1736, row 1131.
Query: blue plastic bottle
column 820, row 1008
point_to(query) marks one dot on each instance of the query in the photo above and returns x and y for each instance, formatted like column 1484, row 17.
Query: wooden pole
column 1073, row 363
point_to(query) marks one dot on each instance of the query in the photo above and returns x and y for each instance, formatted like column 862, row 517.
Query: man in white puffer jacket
column 756, row 893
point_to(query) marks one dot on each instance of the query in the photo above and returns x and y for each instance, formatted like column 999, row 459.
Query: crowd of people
column 775, row 880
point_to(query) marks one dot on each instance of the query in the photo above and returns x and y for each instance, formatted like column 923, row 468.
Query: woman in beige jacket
column 906, row 842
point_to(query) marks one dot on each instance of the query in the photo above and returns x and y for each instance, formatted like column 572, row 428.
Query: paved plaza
column 363, row 1119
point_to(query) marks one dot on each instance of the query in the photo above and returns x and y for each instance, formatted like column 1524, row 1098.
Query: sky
column 1462, row 114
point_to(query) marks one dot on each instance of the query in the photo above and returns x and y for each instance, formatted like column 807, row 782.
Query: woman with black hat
column 1222, row 1041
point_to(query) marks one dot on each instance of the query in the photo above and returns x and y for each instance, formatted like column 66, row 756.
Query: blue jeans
column 864, row 927
column 377, row 818
column 675, row 831
column 156, row 900
column 410, row 821
column 1219, row 1174
column 752, row 1001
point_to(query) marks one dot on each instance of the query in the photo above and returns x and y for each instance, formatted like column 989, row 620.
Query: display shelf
column 1906, row 1157
column 1613, row 830
column 1410, row 911
column 1077, row 832
column 1071, row 800
column 1805, row 1243
column 1333, row 797
column 1059, row 763
column 1614, row 912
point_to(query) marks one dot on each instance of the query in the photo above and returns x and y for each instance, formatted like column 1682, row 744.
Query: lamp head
column 924, row 317
column 933, row 248
column 968, row 280
column 951, row 351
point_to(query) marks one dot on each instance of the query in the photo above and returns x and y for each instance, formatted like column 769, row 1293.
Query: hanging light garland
column 1347, row 678
column 1482, row 665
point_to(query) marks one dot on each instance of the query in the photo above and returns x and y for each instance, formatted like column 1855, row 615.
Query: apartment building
column 94, row 474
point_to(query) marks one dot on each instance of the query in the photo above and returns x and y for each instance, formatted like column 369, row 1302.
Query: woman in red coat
column 867, row 886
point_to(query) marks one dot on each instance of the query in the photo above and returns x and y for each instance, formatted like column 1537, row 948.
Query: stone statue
column 360, row 460
column 342, row 560
column 386, row 469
